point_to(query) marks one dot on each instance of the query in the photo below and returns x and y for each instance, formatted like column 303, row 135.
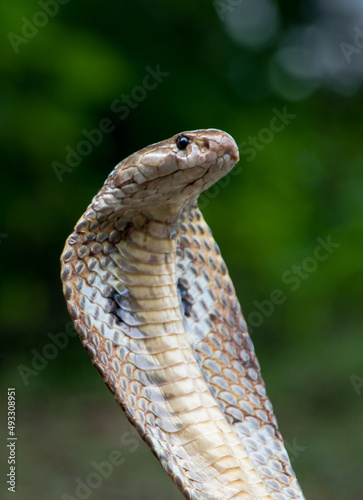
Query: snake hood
column 152, row 301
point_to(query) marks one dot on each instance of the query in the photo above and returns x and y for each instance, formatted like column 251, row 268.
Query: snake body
column 152, row 301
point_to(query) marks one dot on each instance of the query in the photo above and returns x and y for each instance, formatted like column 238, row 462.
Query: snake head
column 171, row 172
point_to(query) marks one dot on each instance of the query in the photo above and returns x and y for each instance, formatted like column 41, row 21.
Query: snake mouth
column 226, row 146
column 233, row 152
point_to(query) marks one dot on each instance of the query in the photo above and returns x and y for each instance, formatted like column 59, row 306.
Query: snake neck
column 119, row 203
column 136, row 256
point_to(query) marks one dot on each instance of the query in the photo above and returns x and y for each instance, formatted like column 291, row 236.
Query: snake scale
column 152, row 301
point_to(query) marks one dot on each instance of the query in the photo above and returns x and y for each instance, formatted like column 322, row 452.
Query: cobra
column 152, row 301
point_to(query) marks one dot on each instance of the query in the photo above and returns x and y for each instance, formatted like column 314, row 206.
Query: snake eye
column 182, row 142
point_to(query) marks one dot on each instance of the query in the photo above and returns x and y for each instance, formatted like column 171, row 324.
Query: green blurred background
column 226, row 64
